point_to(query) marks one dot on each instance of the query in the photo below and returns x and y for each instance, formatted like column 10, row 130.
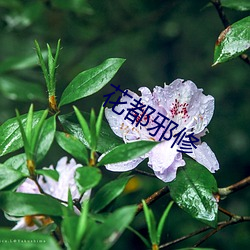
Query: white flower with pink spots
column 183, row 103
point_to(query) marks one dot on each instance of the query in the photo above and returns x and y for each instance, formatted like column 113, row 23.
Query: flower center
column 180, row 110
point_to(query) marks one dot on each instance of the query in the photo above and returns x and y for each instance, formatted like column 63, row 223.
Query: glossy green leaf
column 20, row 204
column 99, row 122
column 151, row 223
column 127, row 152
column 8, row 176
column 74, row 228
column 73, row 146
column 108, row 193
column 162, row 221
column 10, row 136
column 53, row 174
column 193, row 191
column 46, row 138
column 107, row 138
column 19, row 90
column 18, row 162
column 69, row 230
column 84, row 125
column 16, row 240
column 90, row 81
column 241, row 5
column 105, row 235
column 233, row 41
column 87, row 177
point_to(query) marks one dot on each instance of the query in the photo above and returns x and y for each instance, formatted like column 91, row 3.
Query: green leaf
column 162, row 221
column 73, row 146
column 151, row 223
column 69, row 230
column 241, row 5
column 84, row 125
column 53, row 174
column 193, row 191
column 127, row 152
column 46, row 137
column 19, row 90
column 20, row 204
column 8, row 176
column 10, row 136
column 233, row 41
column 18, row 162
column 99, row 122
column 108, row 193
column 143, row 239
column 107, row 139
column 74, row 228
column 87, row 177
column 105, row 235
column 90, row 81
column 82, row 223
column 16, row 240
column 92, row 127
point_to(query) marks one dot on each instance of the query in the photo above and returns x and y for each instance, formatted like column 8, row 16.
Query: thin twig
column 223, row 192
column 144, row 173
column 226, row 23
column 152, row 198
column 204, row 229
column 235, row 220
column 42, row 192
column 224, row 211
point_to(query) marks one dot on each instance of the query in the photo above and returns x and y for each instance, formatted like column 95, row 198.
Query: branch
column 223, row 192
column 235, row 220
column 152, row 198
column 226, row 23
column 144, row 173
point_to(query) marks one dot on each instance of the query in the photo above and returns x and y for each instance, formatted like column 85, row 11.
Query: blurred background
column 161, row 41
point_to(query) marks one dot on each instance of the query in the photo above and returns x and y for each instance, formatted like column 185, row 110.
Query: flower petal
column 165, row 160
column 29, row 187
column 186, row 104
column 205, row 156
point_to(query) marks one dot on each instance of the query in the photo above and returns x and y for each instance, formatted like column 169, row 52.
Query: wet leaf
column 90, row 81
column 126, row 152
column 107, row 138
column 73, row 146
column 87, row 177
column 10, row 136
column 108, row 193
column 193, row 191
column 9, row 175
column 46, row 137
column 105, row 235
column 20, row 204
column 233, row 41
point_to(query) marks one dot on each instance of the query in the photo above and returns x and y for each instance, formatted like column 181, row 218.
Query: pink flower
column 58, row 189
column 183, row 103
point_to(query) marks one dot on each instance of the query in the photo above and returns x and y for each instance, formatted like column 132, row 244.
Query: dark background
column 161, row 41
